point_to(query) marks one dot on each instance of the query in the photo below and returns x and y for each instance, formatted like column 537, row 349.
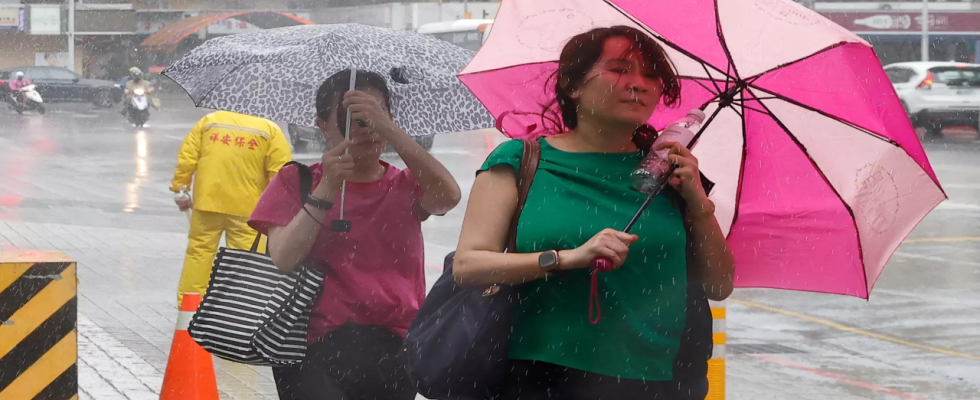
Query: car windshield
column 899, row 75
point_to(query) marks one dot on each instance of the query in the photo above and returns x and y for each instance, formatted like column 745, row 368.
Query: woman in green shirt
column 608, row 83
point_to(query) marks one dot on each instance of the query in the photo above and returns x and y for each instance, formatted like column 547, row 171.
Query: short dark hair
column 583, row 51
column 330, row 92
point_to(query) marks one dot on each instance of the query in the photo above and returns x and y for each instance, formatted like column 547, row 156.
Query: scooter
column 28, row 99
column 139, row 108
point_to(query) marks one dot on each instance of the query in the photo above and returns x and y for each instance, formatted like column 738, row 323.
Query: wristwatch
column 549, row 260
column 318, row 203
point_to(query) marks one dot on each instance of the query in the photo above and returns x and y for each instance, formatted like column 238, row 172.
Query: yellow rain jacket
column 232, row 158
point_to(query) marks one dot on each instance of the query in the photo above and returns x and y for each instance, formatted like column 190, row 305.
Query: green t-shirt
column 573, row 197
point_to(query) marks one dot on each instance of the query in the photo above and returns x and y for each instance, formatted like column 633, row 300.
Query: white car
column 937, row 94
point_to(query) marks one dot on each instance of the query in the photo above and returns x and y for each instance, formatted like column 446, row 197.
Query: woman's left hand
column 367, row 108
column 686, row 177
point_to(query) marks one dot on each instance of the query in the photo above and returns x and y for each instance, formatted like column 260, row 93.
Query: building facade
column 110, row 36
column 895, row 28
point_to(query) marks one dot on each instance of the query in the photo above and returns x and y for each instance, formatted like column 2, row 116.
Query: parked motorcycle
column 139, row 107
column 29, row 99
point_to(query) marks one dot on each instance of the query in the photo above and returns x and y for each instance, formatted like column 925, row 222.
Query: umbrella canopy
column 275, row 73
column 820, row 175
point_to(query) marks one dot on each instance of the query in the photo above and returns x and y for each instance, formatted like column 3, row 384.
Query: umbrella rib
column 740, row 113
column 728, row 71
column 715, row 99
column 829, row 184
column 698, row 78
column 203, row 98
column 187, row 92
column 723, row 42
column 713, row 80
column 652, row 33
column 804, row 106
column 702, row 84
column 784, row 65
column 762, row 98
column 742, row 104
column 741, row 169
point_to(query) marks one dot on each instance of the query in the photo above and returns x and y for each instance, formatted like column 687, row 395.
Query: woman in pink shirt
column 375, row 277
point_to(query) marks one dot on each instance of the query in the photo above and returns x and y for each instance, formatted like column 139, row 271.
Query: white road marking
column 951, row 205
column 956, row 168
column 961, row 186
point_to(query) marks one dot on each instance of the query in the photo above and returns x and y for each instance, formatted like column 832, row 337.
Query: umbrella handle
column 602, row 264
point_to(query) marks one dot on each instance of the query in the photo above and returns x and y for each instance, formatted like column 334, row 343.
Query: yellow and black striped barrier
column 716, row 365
column 38, row 339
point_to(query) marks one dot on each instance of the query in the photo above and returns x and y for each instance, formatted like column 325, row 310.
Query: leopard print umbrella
column 274, row 74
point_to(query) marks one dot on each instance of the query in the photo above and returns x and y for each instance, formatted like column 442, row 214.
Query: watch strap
column 318, row 203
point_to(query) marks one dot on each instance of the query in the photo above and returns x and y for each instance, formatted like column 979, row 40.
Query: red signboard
column 906, row 22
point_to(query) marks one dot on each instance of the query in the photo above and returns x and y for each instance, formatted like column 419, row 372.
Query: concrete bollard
column 716, row 365
column 38, row 312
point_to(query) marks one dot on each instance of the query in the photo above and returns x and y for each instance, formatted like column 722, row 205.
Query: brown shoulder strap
column 529, row 166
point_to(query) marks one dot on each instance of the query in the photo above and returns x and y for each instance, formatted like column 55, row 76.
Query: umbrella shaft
column 639, row 212
column 665, row 177
column 657, row 189
column 343, row 186
column 704, row 126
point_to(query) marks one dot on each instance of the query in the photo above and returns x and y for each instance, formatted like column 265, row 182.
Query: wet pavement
column 83, row 181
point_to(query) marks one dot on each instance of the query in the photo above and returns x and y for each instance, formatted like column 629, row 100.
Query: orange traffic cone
column 190, row 370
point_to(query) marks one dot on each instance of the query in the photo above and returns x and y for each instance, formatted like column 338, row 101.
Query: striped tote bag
column 254, row 313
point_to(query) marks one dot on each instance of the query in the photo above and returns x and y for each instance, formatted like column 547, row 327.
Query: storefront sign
column 12, row 19
column 45, row 19
column 231, row 26
column 148, row 27
column 906, row 22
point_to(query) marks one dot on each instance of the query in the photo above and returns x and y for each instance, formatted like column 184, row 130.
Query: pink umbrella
column 820, row 176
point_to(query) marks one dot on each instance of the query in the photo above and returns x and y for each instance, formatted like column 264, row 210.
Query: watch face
column 548, row 259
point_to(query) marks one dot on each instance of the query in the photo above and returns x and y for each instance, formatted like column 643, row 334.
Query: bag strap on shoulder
column 525, row 177
column 305, row 179
column 305, row 187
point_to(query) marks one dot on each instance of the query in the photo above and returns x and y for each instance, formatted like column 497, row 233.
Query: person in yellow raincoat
column 231, row 158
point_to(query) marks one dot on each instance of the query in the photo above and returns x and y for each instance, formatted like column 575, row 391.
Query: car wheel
column 103, row 98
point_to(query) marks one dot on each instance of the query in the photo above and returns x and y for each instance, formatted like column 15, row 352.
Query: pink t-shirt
column 374, row 273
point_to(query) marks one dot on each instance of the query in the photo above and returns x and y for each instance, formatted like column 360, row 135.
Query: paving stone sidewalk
column 127, row 316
